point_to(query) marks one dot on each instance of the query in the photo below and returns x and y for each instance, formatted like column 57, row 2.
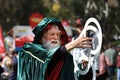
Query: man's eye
column 51, row 34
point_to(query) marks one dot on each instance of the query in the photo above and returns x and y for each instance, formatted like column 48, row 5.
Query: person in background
column 118, row 62
column 7, row 66
column 102, row 75
column 1, row 69
column 48, row 57
column 9, row 41
column 13, row 75
column 111, row 55
column 79, row 25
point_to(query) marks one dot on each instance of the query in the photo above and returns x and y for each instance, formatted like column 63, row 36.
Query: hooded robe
column 38, row 63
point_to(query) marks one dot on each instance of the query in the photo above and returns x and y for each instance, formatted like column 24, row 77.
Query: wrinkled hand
column 79, row 42
column 83, row 42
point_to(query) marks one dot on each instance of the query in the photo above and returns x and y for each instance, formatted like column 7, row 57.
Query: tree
column 17, row 12
column 14, row 12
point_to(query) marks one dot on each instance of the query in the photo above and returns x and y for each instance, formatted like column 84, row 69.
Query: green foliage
column 17, row 12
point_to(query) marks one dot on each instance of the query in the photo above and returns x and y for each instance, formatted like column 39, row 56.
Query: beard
column 51, row 44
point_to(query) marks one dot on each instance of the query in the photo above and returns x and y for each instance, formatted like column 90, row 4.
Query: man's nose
column 56, row 36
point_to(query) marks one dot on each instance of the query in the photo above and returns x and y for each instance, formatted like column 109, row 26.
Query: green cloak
column 33, row 60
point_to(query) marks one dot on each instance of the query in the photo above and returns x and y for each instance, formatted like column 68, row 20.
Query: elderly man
column 47, row 57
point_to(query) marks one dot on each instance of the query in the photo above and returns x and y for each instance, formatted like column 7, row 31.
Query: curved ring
column 88, row 54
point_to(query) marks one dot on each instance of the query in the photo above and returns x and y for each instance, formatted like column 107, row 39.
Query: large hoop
column 88, row 54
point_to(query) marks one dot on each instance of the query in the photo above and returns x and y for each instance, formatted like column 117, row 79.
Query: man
column 47, row 57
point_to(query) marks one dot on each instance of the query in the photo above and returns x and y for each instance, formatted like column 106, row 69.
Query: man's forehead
column 54, row 29
column 49, row 26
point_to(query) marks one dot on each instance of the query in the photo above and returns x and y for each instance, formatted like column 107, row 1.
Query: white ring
column 98, row 35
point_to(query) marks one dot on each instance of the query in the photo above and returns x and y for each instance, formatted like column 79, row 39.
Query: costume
column 38, row 63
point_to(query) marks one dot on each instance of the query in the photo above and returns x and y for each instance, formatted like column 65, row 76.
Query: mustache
column 54, row 41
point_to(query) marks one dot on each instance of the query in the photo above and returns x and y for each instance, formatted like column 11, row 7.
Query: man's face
column 51, row 38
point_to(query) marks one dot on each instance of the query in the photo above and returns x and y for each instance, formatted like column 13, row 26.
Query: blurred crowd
column 109, row 58
column 8, row 66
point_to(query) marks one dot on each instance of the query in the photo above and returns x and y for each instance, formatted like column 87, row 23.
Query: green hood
column 38, row 30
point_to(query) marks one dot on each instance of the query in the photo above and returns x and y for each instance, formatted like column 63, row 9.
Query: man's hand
column 80, row 42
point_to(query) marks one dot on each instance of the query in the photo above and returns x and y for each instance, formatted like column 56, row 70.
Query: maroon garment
column 53, row 71
column 55, row 66
column 61, row 66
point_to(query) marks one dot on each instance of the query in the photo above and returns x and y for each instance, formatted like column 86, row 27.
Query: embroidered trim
column 35, row 57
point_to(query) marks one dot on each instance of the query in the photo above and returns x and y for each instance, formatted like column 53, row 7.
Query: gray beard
column 50, row 45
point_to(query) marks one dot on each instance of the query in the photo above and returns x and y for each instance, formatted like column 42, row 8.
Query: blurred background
column 19, row 17
column 18, row 12
column 30, row 12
